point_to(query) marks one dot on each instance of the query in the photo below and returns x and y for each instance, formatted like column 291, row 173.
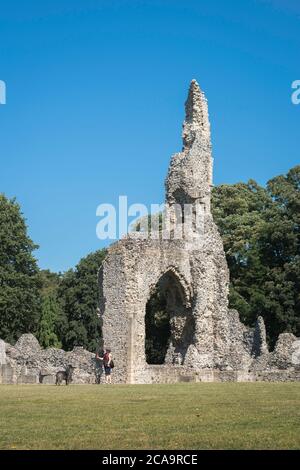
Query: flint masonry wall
column 26, row 362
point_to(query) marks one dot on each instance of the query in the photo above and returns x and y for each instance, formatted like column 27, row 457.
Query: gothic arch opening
column 169, row 325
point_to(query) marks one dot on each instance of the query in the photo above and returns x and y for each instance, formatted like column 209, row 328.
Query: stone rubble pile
column 27, row 362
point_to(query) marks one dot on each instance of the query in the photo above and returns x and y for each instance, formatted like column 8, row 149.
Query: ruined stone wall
column 27, row 362
column 218, row 346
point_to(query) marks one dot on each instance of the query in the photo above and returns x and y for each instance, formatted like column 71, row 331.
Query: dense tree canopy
column 79, row 296
column 52, row 315
column 48, row 331
column 260, row 230
column 20, row 300
column 60, row 309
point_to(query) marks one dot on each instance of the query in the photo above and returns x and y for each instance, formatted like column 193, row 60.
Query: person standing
column 99, row 365
column 107, row 364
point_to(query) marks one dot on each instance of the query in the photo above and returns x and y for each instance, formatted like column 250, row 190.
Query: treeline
column 60, row 309
column 69, row 314
column 260, row 227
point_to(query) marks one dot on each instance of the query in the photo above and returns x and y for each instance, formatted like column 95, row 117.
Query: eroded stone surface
column 2, row 353
column 27, row 362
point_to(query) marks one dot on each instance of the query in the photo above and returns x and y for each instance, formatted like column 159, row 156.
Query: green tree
column 48, row 325
column 20, row 300
column 79, row 295
column 238, row 211
column 260, row 230
column 58, row 319
column 49, row 282
column 283, row 253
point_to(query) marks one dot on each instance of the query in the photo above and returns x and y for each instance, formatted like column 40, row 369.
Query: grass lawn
column 180, row 416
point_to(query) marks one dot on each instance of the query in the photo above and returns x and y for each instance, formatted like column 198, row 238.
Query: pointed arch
column 168, row 319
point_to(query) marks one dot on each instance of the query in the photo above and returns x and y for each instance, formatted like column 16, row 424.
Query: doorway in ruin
column 169, row 325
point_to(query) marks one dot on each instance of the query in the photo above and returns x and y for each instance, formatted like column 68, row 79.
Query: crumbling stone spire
column 196, row 117
column 190, row 172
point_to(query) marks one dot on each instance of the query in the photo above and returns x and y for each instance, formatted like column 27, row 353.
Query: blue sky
column 95, row 95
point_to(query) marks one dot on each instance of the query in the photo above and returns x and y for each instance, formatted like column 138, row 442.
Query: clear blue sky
column 95, row 94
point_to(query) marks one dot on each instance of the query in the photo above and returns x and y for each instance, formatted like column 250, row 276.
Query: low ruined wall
column 26, row 362
column 176, row 374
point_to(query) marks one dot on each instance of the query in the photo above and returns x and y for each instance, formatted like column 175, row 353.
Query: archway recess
column 169, row 325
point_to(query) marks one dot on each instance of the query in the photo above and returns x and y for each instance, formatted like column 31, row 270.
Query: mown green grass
column 181, row 416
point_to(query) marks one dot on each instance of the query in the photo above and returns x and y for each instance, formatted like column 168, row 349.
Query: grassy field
column 181, row 416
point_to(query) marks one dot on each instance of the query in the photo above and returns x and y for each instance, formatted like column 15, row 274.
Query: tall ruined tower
column 190, row 174
column 190, row 272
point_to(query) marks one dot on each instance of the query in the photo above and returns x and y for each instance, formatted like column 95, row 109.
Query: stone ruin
column 207, row 340
column 27, row 363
